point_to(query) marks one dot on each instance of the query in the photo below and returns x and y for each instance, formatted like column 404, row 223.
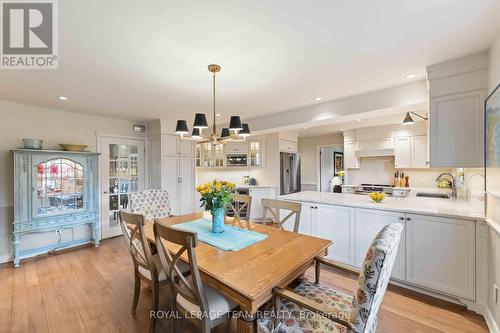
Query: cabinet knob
column 408, row 219
column 401, row 218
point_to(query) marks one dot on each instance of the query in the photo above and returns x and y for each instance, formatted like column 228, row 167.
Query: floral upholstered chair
column 314, row 308
column 150, row 203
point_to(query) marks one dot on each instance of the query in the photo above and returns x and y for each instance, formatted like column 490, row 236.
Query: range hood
column 374, row 152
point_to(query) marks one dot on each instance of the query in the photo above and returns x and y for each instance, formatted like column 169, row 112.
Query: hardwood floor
column 90, row 290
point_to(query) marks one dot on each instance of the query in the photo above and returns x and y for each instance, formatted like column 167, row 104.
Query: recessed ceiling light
column 410, row 76
column 317, row 99
column 305, row 127
column 62, row 98
column 217, row 114
column 358, row 120
column 341, row 129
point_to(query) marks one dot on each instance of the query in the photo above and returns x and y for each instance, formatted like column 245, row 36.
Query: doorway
column 330, row 161
column 122, row 172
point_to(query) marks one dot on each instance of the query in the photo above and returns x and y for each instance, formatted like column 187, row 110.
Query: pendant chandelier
column 235, row 131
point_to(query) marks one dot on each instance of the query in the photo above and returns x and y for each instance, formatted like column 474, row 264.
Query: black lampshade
column 245, row 131
column 408, row 119
column 225, row 133
column 196, row 133
column 235, row 123
column 182, row 127
column 200, row 121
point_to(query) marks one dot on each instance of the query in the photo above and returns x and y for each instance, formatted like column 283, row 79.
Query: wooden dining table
column 248, row 276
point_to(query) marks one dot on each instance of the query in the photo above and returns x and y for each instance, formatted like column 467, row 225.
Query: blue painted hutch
column 54, row 191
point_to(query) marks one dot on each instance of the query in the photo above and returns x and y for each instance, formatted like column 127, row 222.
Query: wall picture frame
column 338, row 162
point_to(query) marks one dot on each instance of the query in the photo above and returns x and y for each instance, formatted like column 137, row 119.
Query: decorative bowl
column 72, row 147
column 377, row 196
column 32, row 143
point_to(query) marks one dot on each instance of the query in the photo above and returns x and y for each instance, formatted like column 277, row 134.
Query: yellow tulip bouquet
column 215, row 197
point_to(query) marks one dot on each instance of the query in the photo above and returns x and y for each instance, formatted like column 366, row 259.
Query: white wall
column 308, row 155
column 493, row 204
column 22, row 121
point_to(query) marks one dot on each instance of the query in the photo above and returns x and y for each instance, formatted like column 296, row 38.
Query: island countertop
column 458, row 208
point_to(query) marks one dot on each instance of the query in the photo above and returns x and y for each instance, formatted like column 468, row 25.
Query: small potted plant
column 216, row 196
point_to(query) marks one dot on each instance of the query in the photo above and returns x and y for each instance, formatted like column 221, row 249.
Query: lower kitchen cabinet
column 334, row 223
column 368, row 223
column 257, row 194
column 440, row 254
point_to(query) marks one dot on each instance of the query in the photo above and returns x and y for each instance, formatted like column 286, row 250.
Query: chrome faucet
column 453, row 183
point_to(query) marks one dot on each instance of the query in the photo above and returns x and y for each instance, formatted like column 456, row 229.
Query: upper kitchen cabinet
column 351, row 161
column 256, row 153
column 457, row 90
column 402, row 152
column 173, row 146
column 235, row 147
column 419, row 152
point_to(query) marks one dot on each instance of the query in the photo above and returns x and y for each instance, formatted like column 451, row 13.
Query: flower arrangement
column 216, row 194
column 215, row 197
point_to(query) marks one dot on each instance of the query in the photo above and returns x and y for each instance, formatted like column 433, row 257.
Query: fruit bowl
column 377, row 196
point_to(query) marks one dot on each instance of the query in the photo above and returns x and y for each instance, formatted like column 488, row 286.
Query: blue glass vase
column 217, row 220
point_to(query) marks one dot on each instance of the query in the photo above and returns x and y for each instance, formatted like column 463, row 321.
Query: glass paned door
column 122, row 173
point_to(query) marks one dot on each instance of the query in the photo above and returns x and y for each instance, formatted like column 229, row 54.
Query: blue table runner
column 232, row 239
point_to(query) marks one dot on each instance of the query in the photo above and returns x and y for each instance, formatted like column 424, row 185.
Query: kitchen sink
column 433, row 195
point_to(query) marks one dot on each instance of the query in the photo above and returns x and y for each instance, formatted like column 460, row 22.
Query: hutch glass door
column 122, row 173
column 59, row 187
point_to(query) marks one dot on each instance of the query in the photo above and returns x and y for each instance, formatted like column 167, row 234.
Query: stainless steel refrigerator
column 289, row 173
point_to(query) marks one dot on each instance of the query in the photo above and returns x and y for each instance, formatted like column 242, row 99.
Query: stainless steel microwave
column 236, row 160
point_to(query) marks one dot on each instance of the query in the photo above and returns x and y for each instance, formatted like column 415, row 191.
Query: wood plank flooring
column 90, row 290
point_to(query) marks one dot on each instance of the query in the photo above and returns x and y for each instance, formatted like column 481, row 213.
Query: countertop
column 466, row 209
column 254, row 186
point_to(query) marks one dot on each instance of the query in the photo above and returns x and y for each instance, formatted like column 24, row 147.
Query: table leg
column 247, row 323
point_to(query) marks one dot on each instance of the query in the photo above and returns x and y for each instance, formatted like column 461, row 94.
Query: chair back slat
column 190, row 288
column 240, row 204
column 275, row 206
column 374, row 277
column 133, row 232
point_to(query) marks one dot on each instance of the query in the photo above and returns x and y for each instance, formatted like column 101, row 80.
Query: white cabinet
column 288, row 146
column 368, row 224
column 257, row 194
column 440, row 254
column 456, row 130
column 410, row 152
column 173, row 146
column 236, row 147
column 177, row 173
column 336, row 224
column 402, row 152
column 350, row 159
column 256, row 153
column 419, row 155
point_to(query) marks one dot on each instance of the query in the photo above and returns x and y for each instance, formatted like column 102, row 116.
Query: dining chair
column 275, row 206
column 152, row 203
column 198, row 302
column 323, row 309
column 241, row 205
column 147, row 267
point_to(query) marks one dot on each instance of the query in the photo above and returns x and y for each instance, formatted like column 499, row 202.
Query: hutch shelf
column 54, row 193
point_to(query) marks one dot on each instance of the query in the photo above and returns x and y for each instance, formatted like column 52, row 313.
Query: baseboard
column 490, row 321
column 5, row 258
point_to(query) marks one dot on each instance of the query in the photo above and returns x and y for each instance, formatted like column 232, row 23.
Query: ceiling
column 362, row 121
column 142, row 60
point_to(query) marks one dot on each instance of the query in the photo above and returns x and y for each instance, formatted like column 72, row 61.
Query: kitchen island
column 441, row 252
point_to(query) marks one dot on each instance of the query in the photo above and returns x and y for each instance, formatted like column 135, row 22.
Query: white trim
column 493, row 225
column 318, row 162
column 490, row 321
column 6, row 258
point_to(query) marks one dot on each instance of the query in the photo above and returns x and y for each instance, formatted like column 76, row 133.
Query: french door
column 122, row 173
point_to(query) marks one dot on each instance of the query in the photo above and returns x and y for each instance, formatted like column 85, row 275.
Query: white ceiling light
column 341, row 129
column 62, row 98
column 217, row 114
column 358, row 120
column 410, row 76
column 317, row 99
